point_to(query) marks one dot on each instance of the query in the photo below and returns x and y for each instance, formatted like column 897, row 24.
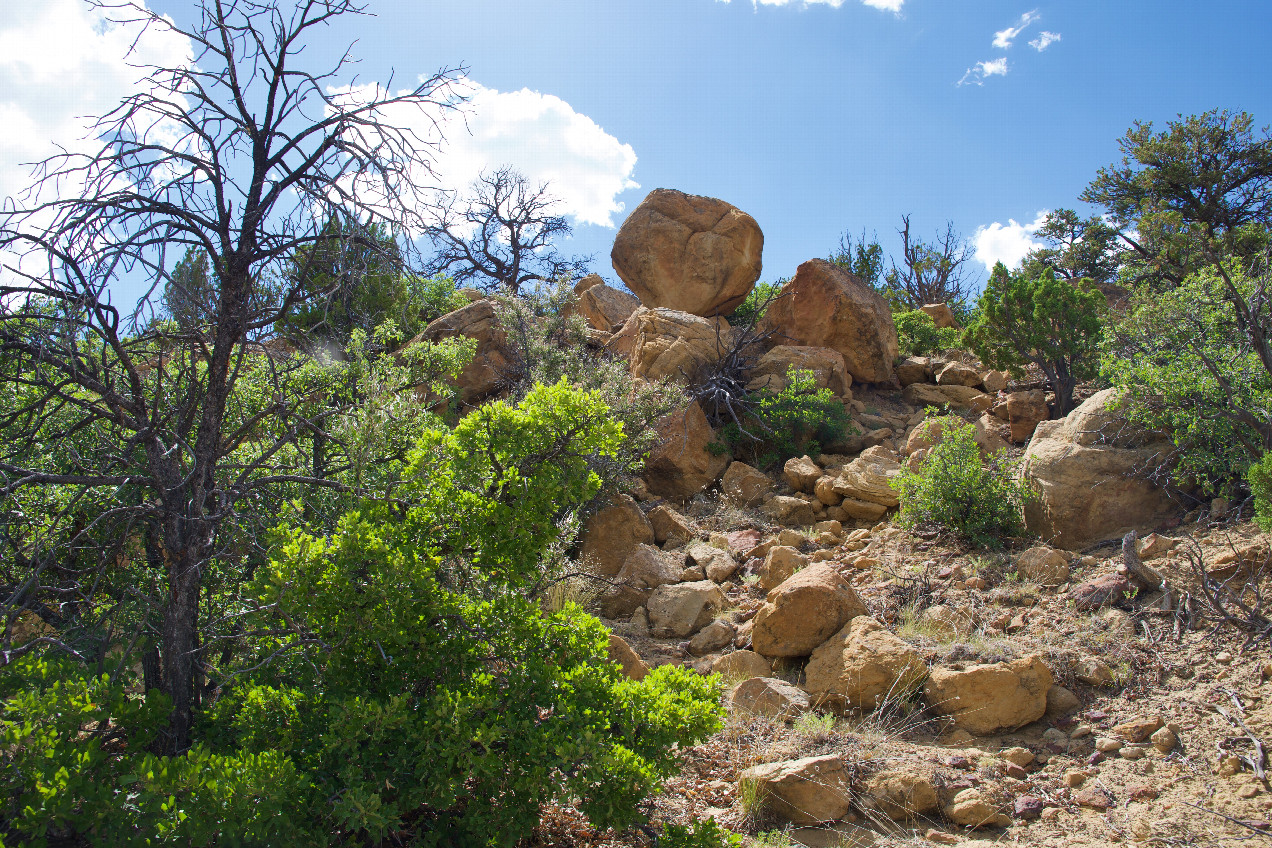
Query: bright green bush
column 702, row 833
column 918, row 335
column 979, row 502
column 1260, row 479
column 800, row 419
column 752, row 309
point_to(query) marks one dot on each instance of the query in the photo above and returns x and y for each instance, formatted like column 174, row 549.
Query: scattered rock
column 946, row 622
column 867, row 480
column 941, row 314
column 1025, row 411
column 914, row 369
column 645, row 569
column 769, row 697
column 811, row 790
column 745, row 486
column 1093, row 672
column 990, row 697
column 1043, row 565
column 713, row 637
column 493, row 360
column 993, row 381
column 970, row 808
column 1027, row 807
column 801, row 473
column 1094, row 797
column 681, row 465
column 621, row 653
column 681, row 609
column 1100, row 591
column 612, row 534
column 790, row 512
column 804, row 612
column 1139, row 729
column 862, row 666
column 1164, row 740
column 669, row 525
column 958, row 374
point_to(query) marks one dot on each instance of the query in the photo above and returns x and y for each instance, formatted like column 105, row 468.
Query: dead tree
column 931, row 272
column 241, row 154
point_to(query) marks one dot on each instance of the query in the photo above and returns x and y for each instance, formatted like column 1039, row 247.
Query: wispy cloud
column 977, row 73
column 1004, row 37
column 893, row 6
column 1006, row 243
column 1044, row 40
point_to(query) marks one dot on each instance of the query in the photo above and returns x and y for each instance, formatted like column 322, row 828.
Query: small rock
column 1132, row 752
column 1164, row 740
column 1081, row 730
column 940, row 837
column 1094, row 797
column 1100, row 591
column 1027, row 807
column 1074, row 778
column 742, row 665
column 1093, row 672
column 1139, row 729
column 1223, row 657
column 1016, row 772
column 1140, row 792
column 1053, row 737
column 970, row 809
column 1020, row 756
column 1108, row 746
column 713, row 637
column 1061, row 701
column 769, row 697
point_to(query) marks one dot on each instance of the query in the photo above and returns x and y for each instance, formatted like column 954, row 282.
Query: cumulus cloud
column 1006, row 243
column 1044, row 40
column 976, row 74
column 61, row 63
column 1004, row 37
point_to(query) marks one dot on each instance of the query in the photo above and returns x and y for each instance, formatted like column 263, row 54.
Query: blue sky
column 814, row 117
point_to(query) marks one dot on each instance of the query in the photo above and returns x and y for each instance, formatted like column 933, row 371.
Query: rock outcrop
column 669, row 344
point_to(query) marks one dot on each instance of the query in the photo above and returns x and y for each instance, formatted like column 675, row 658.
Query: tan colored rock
column 674, row 345
column 769, row 697
column 718, row 565
column 1089, row 471
column 605, row 308
column 862, row 666
column 941, row 314
column 681, row 465
column 958, row 374
column 955, row 397
column 745, row 486
column 587, row 281
column 1061, row 701
column 742, row 665
column 829, row 371
column 790, row 512
column 825, row 306
column 811, row 790
column 669, row 525
column 492, row 363
column 1139, row 729
column 970, row 808
column 804, row 611
column 782, row 562
column 713, row 637
column 986, row 698
column 868, row 478
column 932, row 430
column 682, row 251
column 993, row 381
column 824, row 491
column 944, row 621
column 1044, row 565
column 645, row 569
column 902, row 794
column 801, row 473
column 914, row 369
column 1025, row 411
column 621, row 653
column 851, row 508
column 612, row 534
column 682, row 609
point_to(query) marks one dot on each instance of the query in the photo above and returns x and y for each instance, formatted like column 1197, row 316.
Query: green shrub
column 1260, row 479
column 918, row 335
column 752, row 309
column 953, row 490
column 800, row 419
column 701, row 833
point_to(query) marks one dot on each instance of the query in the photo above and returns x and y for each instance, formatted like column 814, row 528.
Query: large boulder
column 829, row 370
column 682, row 609
column 804, row 611
column 681, row 464
column 605, row 308
column 825, row 306
column 779, row 565
column 742, row 665
column 810, row 790
column 862, row 666
column 770, row 697
column 492, row 363
column 990, row 697
column 690, row 253
column 612, row 534
column 671, row 344
column 1095, row 475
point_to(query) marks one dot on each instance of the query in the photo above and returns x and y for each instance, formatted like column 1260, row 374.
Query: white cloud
column 893, row 6
column 886, row 5
column 1004, row 37
column 975, row 75
column 1044, row 40
column 61, row 61
column 1007, row 243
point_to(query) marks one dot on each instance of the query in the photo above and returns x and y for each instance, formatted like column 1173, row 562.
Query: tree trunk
column 180, row 644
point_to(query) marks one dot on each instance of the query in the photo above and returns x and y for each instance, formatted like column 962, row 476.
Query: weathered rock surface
column 745, row 485
column 669, row 525
column 713, row 637
column 903, row 793
column 492, row 363
column 742, row 665
column 645, row 569
column 681, row 465
column 1025, row 411
column 986, row 698
column 620, row 652
column 810, row 790
column 717, row 564
column 914, row 369
column 790, row 512
column 770, row 697
column 804, row 611
column 1044, row 565
column 825, row 306
column 682, row 609
column 612, row 534
column 604, row 307
column 970, row 808
column 829, row 370
column 675, row 345
column 867, row 478
column 861, row 666
column 958, row 374
column 779, row 565
column 801, row 473
column 1090, row 474
column 686, row 252
column 941, row 314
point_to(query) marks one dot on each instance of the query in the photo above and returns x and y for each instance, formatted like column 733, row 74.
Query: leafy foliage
column 751, row 311
column 1076, row 248
column 953, row 490
column 701, row 833
column 918, row 335
column 797, row 420
column 1042, row 320
column 1259, row 476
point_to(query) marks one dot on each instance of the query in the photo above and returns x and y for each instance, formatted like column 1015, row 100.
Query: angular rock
column 804, row 611
column 811, row 790
column 958, row 374
column 825, row 306
column 1091, row 473
column 682, row 609
column 612, row 534
column 1043, row 565
column 790, row 512
column 740, row 542
column 780, row 563
column 605, row 308
column 829, row 371
column 769, row 697
column 1100, row 591
column 986, row 698
column 941, row 314
column 824, row 491
column 862, row 666
column 674, row 345
column 902, row 794
column 745, row 486
column 669, row 525
column 682, row 251
column 1025, row 411
column 621, row 653
column 801, row 473
column 868, row 477
column 742, row 665
column 645, row 569
column 914, row 369
column 993, row 381
column 713, row 637
column 717, row 565
column 970, row 808
column 681, row 465
column 492, row 363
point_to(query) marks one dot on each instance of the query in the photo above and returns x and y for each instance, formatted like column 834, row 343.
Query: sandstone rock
column 958, row 374
column 986, row 698
column 1100, row 591
column 811, row 790
column 956, row 397
column 717, row 565
column 1061, row 701
column 713, row 637
column 745, row 486
column 1043, row 565
column 681, row 609
column 790, row 512
column 914, row 369
column 791, row 538
column 941, row 314
column 587, row 281
column 993, row 381
column 605, row 308
column 825, row 306
column 680, row 465
column 669, row 525
column 741, row 542
column 824, row 491
column 801, row 473
column 946, row 622
column 1089, row 471
column 782, row 562
column 829, row 371
column 1139, row 729
column 902, row 794
column 868, row 477
column 612, row 534
column 804, row 612
column 861, row 666
column 673, row 345
column 742, row 665
column 970, row 808
column 492, row 363
column 645, row 569
column 769, row 697
column 621, row 653
column 1025, row 411
column 931, row 431
column 686, row 252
